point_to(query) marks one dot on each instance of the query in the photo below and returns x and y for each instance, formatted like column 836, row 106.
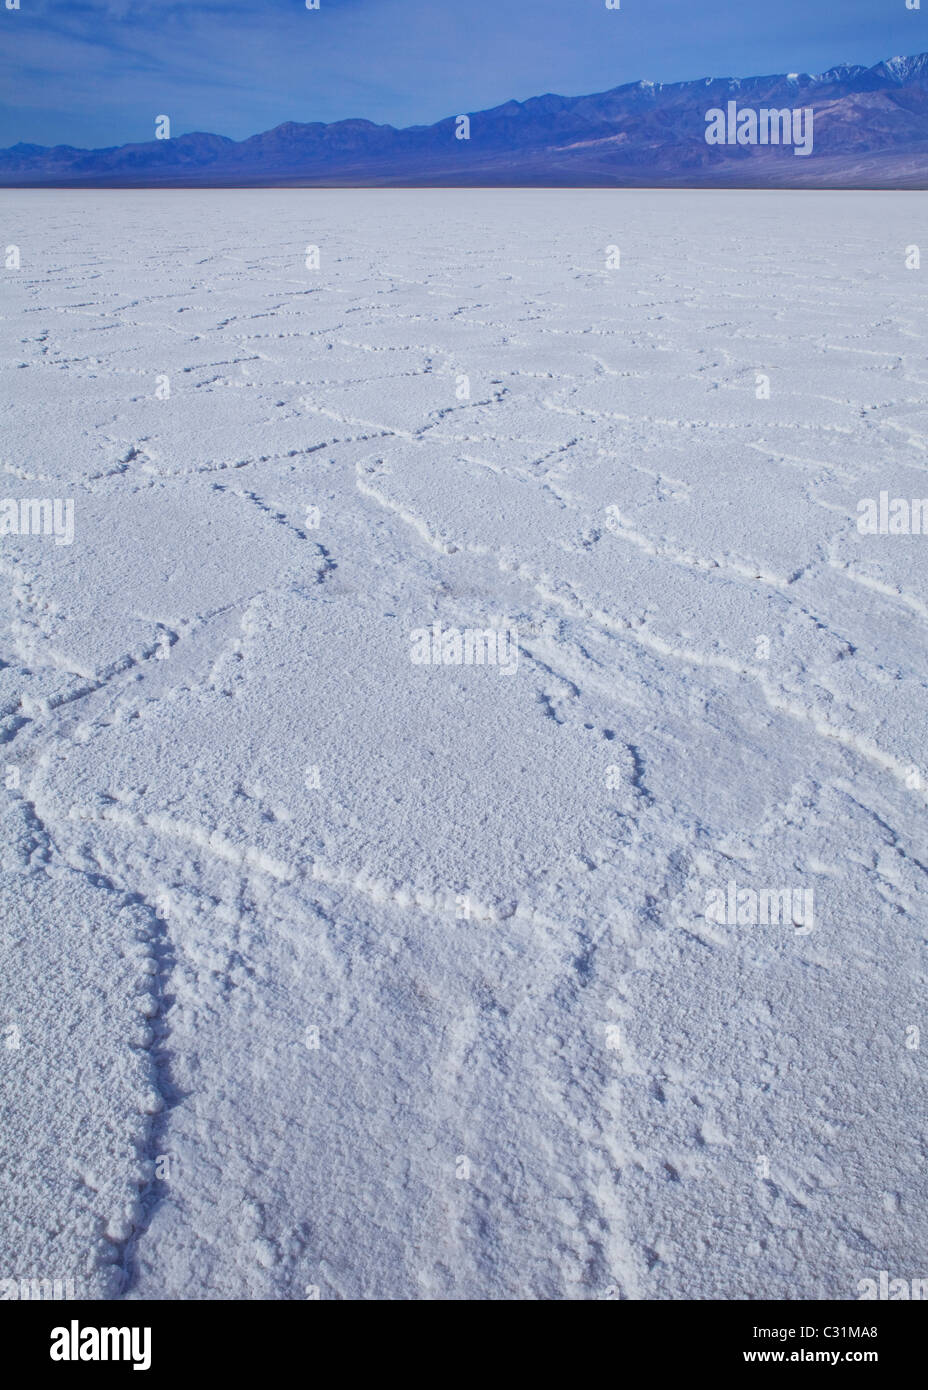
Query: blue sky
column 98, row 72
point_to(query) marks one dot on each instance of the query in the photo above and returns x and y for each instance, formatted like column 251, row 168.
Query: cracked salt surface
column 448, row 1018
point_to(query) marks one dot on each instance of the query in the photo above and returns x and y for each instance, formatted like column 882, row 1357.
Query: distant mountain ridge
column 871, row 130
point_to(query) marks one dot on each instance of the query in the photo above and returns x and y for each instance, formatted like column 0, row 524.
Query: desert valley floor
column 325, row 971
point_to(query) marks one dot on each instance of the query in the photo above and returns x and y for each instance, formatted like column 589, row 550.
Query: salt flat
column 326, row 971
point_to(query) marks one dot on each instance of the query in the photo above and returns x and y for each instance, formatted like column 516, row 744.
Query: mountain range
column 870, row 130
